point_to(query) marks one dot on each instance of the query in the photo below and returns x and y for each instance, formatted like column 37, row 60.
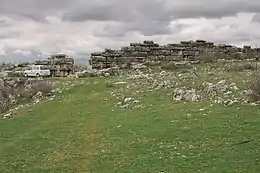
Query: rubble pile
column 13, row 70
column 220, row 92
column 185, row 95
column 219, row 88
column 149, row 51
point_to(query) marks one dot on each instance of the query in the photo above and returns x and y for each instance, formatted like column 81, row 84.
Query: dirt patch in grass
column 59, row 156
column 93, row 95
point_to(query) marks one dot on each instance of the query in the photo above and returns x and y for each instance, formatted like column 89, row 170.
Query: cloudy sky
column 79, row 27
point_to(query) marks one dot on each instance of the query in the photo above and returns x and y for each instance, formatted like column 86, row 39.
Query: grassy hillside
column 82, row 130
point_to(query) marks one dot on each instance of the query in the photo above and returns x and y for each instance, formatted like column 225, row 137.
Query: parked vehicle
column 37, row 71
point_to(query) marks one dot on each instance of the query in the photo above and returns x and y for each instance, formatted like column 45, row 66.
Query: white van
column 37, row 71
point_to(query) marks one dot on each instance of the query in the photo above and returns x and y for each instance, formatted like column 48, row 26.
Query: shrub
column 27, row 94
column 42, row 86
column 237, row 56
column 208, row 57
column 255, row 88
column 4, row 99
column 249, row 66
column 168, row 66
column 172, row 66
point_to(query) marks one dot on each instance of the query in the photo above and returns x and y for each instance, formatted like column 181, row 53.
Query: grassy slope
column 80, row 131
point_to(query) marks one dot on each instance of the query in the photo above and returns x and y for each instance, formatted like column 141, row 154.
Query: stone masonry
column 59, row 64
column 150, row 51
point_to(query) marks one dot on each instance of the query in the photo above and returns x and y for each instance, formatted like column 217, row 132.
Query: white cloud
column 22, row 52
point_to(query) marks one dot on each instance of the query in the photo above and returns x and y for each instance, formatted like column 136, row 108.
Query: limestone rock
column 185, row 95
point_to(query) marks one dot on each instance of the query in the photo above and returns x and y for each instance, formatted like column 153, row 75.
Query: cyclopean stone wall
column 150, row 51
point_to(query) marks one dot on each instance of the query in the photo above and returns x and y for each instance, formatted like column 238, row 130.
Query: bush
column 249, row 66
column 237, row 56
column 26, row 95
column 42, row 86
column 31, row 89
column 208, row 57
column 4, row 99
column 168, row 66
column 255, row 88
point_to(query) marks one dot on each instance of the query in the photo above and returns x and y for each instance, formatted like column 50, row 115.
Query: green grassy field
column 81, row 130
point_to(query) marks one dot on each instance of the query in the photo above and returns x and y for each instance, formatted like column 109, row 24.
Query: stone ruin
column 59, row 64
column 147, row 51
column 13, row 70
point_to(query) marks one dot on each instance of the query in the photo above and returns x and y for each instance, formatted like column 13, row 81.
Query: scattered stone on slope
column 139, row 66
column 9, row 115
column 37, row 97
column 120, row 83
column 218, row 88
column 141, row 81
column 97, row 73
column 129, row 102
column 185, row 95
column 246, row 93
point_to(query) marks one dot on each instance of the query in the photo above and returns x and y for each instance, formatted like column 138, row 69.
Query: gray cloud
column 125, row 11
column 117, row 10
column 147, row 28
column 163, row 10
column 256, row 18
column 152, row 17
column 212, row 9
column 33, row 9
column 81, row 26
